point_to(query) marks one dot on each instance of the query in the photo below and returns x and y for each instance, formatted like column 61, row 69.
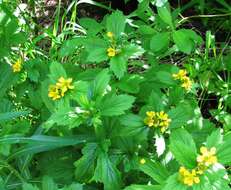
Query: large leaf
column 107, row 173
column 56, row 71
column 224, row 151
column 143, row 187
column 41, row 143
column 118, row 65
column 12, row 115
column 174, row 183
column 85, row 166
column 116, row 23
column 183, row 148
column 155, row 170
column 100, row 83
column 115, row 105
column 48, row 184
column 159, row 41
column 165, row 15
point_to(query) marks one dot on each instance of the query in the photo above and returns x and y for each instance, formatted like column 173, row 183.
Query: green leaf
column 91, row 25
column 132, row 51
column 85, row 166
column 96, row 49
column 70, row 46
column 130, row 83
column 27, row 186
column 181, row 114
column 48, row 184
column 41, row 143
column 118, row 65
column 186, row 40
column 143, row 187
column 165, row 15
column 133, row 125
column 224, row 151
column 182, row 41
column 116, row 23
column 115, row 105
column 100, row 83
column 214, row 139
column 107, row 173
column 183, row 148
column 155, row 170
column 8, row 116
column 165, row 77
column 159, row 41
column 174, row 183
column 56, row 71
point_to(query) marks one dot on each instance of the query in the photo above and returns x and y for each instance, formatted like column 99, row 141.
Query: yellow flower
column 60, row 88
column 186, row 82
column 17, row 66
column 110, row 34
column 187, row 177
column 157, row 119
column 180, row 75
column 164, row 121
column 54, row 92
column 207, row 157
column 142, row 161
column 111, row 52
column 64, row 84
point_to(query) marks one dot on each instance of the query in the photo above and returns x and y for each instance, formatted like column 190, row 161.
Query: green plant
column 112, row 104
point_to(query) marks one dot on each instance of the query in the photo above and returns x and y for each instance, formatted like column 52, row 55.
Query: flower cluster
column 111, row 52
column 110, row 35
column 17, row 66
column 60, row 88
column 185, row 80
column 157, row 119
column 205, row 160
column 188, row 177
column 207, row 157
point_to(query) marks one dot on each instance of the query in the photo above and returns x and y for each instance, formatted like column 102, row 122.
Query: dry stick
column 203, row 16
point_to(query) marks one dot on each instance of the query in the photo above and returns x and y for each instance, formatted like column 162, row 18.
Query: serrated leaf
column 48, row 184
column 118, row 65
column 27, row 186
column 101, row 82
column 133, row 125
column 183, row 148
column 116, row 105
column 115, row 23
column 174, row 183
column 159, row 41
column 214, row 139
column 144, row 187
column 155, row 170
column 85, row 166
column 224, row 150
column 107, row 173
column 56, row 71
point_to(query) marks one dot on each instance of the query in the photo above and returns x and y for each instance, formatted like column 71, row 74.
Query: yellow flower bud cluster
column 206, row 159
column 17, row 66
column 111, row 52
column 188, row 177
column 185, row 80
column 60, row 88
column 157, row 119
column 142, row 161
